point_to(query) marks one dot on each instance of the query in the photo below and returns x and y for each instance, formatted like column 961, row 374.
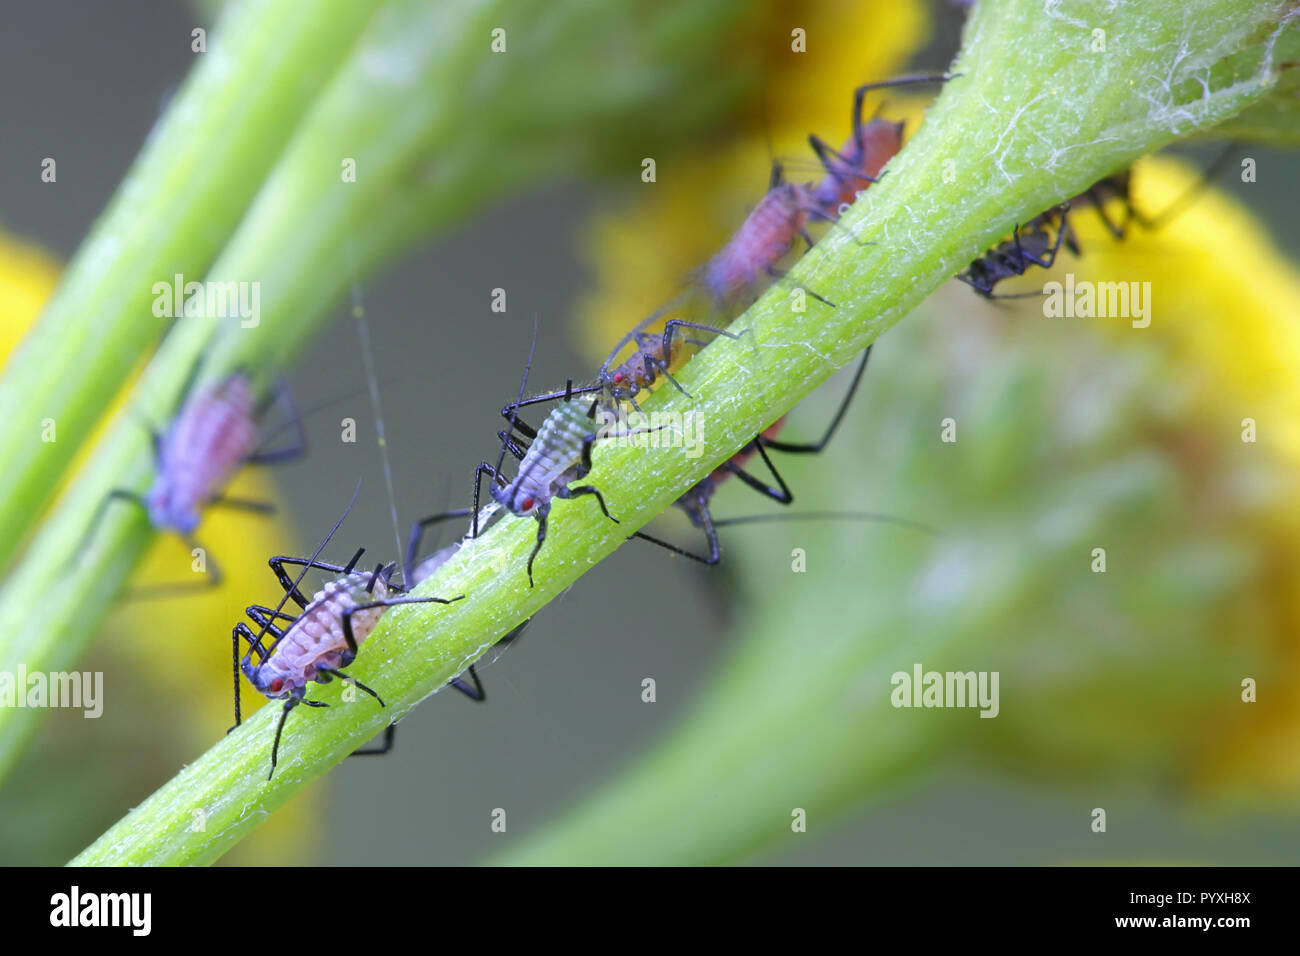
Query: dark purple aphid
column 1029, row 245
column 325, row 637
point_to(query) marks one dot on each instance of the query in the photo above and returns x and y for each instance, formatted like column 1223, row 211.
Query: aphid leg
column 474, row 692
column 297, row 447
column 351, row 652
column 290, row 587
column 713, row 558
column 212, row 578
column 701, row 514
column 289, row 705
column 254, row 643
column 835, row 162
column 812, row 448
column 781, row 493
column 586, row 490
column 243, row 504
column 483, row 467
column 508, row 412
column 389, row 733
column 515, row 448
column 541, row 539
column 335, row 672
column 264, row 616
column 776, row 273
column 417, row 535
column 1047, row 260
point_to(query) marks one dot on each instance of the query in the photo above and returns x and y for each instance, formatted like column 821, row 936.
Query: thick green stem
column 1036, row 117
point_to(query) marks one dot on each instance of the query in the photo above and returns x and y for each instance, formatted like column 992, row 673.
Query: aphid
column 765, row 238
column 656, row 354
column 558, row 455
column 324, row 638
column 696, row 501
column 1030, row 245
column 859, row 161
column 212, row 436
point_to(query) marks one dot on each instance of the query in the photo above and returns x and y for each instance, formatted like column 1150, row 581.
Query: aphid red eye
column 277, row 685
column 618, row 378
column 526, row 504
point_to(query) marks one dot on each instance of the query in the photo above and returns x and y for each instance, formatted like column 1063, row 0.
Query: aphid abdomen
column 316, row 640
column 209, row 440
column 556, row 450
column 763, row 240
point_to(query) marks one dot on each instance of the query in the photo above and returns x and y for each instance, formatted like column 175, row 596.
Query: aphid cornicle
column 324, row 638
column 558, row 455
column 211, row 437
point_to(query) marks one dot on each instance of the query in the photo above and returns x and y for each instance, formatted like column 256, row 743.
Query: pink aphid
column 871, row 145
column 763, row 240
column 316, row 644
column 857, row 165
column 213, row 435
column 320, row 641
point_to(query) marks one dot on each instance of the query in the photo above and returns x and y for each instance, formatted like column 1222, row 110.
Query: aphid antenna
column 376, row 405
column 514, row 420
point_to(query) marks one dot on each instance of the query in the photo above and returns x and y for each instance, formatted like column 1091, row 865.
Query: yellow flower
column 183, row 685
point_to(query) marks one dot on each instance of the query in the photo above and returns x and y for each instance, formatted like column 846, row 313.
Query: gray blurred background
column 83, row 82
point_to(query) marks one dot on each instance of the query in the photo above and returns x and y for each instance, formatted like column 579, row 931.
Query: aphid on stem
column 656, row 354
column 324, row 638
column 858, row 163
column 558, row 455
column 211, row 437
column 1030, row 245
column 734, row 276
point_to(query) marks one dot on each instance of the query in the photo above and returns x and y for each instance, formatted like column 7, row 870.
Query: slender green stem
column 1035, row 118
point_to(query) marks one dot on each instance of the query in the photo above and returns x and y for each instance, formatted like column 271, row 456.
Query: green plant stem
column 198, row 172
column 1034, row 119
